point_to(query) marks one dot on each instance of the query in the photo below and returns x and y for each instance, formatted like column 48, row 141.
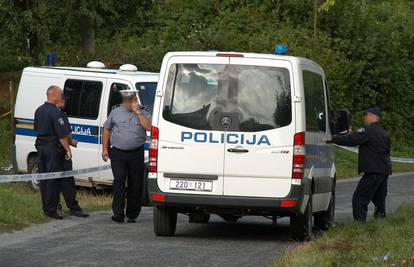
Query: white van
column 239, row 134
column 91, row 93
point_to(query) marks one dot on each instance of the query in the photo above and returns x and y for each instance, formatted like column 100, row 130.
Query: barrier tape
column 5, row 114
column 393, row 159
column 50, row 175
column 58, row 175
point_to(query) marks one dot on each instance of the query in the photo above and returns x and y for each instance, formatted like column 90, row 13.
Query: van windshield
column 254, row 98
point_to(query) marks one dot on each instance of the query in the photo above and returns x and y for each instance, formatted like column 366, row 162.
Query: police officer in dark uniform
column 373, row 160
column 123, row 140
column 67, row 184
column 52, row 136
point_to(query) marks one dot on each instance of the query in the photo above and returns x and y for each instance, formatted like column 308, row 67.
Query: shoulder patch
column 361, row 130
column 61, row 121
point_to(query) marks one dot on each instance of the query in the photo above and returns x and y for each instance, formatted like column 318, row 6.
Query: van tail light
column 153, row 150
column 158, row 197
column 13, row 135
column 299, row 154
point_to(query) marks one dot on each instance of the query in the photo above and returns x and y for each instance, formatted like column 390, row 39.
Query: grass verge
column 21, row 207
column 387, row 242
column 347, row 162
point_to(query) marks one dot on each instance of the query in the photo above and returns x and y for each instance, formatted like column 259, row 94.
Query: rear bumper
column 245, row 205
column 13, row 158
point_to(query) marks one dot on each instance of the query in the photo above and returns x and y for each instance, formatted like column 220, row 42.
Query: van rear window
column 255, row 98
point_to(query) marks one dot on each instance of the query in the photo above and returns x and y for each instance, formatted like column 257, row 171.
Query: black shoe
column 78, row 213
column 54, row 215
column 131, row 220
column 117, row 219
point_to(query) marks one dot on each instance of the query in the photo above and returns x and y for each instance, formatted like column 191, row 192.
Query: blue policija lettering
column 221, row 138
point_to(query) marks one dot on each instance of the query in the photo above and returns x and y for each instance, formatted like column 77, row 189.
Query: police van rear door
column 259, row 143
column 191, row 143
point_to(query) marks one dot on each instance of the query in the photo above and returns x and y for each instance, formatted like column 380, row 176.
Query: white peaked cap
column 129, row 92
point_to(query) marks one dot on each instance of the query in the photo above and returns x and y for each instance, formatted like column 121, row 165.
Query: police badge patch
column 361, row 130
column 60, row 120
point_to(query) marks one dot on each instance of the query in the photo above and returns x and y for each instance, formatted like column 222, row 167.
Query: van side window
column 146, row 92
column 328, row 103
column 115, row 98
column 82, row 98
column 314, row 101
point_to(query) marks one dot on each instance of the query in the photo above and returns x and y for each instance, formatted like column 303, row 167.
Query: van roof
column 248, row 55
column 88, row 71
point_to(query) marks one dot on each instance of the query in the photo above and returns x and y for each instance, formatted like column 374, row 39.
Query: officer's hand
column 74, row 143
column 135, row 106
column 105, row 155
column 68, row 155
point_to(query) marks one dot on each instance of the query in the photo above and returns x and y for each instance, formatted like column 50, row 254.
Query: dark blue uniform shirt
column 374, row 148
column 66, row 120
column 49, row 124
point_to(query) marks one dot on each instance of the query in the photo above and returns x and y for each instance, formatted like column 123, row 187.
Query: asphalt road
column 97, row 241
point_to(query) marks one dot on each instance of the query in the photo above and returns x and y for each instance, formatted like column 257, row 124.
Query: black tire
column 165, row 221
column 230, row 218
column 199, row 217
column 301, row 225
column 323, row 220
column 33, row 168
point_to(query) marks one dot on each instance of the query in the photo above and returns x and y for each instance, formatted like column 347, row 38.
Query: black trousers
column 127, row 169
column 49, row 160
column 371, row 187
column 68, row 189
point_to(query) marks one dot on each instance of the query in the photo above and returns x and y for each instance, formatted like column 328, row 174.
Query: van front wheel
column 32, row 168
column 301, row 225
column 165, row 221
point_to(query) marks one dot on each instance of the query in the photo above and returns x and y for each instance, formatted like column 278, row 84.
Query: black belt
column 129, row 150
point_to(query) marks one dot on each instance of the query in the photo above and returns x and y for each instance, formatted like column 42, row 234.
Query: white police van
column 239, row 134
column 91, row 93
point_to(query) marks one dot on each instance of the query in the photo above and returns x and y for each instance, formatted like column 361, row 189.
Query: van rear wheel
column 325, row 219
column 301, row 225
column 165, row 221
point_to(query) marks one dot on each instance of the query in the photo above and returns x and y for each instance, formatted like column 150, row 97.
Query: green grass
column 21, row 207
column 353, row 244
column 346, row 163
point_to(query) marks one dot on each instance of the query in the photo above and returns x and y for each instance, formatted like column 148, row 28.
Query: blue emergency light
column 281, row 49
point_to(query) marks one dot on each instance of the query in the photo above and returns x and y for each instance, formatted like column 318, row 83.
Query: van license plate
column 191, row 185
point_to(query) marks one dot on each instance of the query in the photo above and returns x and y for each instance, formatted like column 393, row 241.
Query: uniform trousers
column 128, row 170
column 371, row 187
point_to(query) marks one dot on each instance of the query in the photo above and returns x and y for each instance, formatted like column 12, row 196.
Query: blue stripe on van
column 27, row 132
column 89, row 133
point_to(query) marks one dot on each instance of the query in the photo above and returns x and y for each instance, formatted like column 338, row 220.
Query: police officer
column 373, row 160
column 123, row 141
column 67, row 184
column 51, row 136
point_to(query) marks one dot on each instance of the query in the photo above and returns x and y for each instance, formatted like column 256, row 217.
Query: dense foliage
column 365, row 46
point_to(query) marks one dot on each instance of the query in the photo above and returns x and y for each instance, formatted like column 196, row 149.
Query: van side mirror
column 342, row 122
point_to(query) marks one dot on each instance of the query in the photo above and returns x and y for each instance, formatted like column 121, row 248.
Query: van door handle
column 237, row 150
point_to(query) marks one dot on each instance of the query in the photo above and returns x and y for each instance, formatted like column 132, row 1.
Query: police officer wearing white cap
column 123, row 140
